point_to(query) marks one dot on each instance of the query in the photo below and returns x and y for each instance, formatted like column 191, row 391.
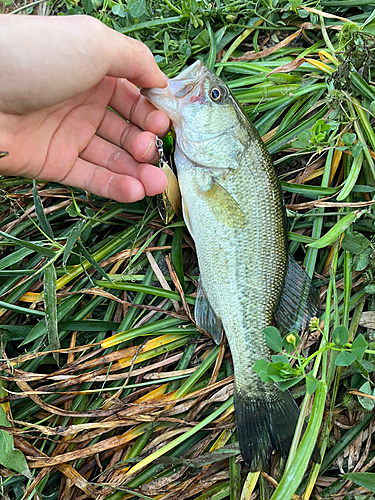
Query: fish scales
column 226, row 258
column 233, row 207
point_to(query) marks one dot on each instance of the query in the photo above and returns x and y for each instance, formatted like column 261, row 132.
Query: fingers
column 116, row 160
column 103, row 182
column 133, row 60
column 141, row 145
column 127, row 100
column 63, row 56
column 48, row 59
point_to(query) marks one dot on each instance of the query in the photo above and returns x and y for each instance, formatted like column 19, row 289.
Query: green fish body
column 234, row 209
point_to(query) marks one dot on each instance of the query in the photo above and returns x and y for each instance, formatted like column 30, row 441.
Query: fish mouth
column 168, row 99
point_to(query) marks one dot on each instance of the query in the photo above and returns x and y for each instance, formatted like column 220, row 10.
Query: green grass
column 148, row 413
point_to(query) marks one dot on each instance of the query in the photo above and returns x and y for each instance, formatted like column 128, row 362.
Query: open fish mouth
column 168, row 99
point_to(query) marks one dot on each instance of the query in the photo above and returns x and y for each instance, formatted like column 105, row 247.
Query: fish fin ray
column 205, row 316
column 299, row 301
column 264, row 425
column 223, row 206
column 186, row 216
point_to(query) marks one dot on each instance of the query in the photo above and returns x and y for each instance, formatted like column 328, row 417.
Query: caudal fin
column 264, row 425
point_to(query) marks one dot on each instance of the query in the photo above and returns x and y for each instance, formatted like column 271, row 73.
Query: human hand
column 58, row 75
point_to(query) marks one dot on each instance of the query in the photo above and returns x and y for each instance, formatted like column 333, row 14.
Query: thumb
column 133, row 60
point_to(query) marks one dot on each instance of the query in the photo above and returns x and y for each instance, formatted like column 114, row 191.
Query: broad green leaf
column 355, row 243
column 303, row 140
column 279, row 358
column 71, row 210
column 118, row 10
column 273, row 338
column 280, row 371
column 138, row 8
column 50, row 307
column 361, row 261
column 284, row 385
column 42, row 219
column 340, row 336
column 369, row 366
column 367, row 403
column 260, row 367
column 359, row 346
column 356, row 150
column 345, row 358
column 10, row 457
column 364, row 479
column 349, row 138
column 87, row 6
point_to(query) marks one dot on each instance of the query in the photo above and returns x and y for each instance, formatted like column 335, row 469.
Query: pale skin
column 58, row 75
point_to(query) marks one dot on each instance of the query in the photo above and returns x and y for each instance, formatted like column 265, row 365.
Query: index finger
column 134, row 61
column 128, row 101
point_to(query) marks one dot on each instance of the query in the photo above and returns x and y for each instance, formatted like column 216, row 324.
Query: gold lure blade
column 169, row 202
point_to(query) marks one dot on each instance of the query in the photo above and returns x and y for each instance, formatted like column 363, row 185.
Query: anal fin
column 205, row 316
column 299, row 301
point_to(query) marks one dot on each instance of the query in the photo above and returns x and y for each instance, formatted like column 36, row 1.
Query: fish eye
column 217, row 94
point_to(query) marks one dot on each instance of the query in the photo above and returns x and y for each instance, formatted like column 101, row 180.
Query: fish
column 234, row 209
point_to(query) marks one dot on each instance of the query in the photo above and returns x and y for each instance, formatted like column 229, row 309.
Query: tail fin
column 264, row 425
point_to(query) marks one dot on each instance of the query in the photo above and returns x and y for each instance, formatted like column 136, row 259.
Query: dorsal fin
column 299, row 301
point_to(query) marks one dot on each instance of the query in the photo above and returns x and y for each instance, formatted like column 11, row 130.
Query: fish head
column 210, row 127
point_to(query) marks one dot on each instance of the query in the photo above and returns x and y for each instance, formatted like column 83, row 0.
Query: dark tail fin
column 264, row 425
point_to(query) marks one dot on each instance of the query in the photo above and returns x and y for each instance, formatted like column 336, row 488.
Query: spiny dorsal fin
column 299, row 301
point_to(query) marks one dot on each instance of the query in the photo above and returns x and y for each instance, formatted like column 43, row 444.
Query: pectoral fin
column 206, row 317
column 224, row 207
column 299, row 300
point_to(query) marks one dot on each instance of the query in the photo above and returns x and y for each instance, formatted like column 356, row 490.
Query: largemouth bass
column 234, row 209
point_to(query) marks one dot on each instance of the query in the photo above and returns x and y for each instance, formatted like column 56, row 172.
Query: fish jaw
column 173, row 97
column 199, row 120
